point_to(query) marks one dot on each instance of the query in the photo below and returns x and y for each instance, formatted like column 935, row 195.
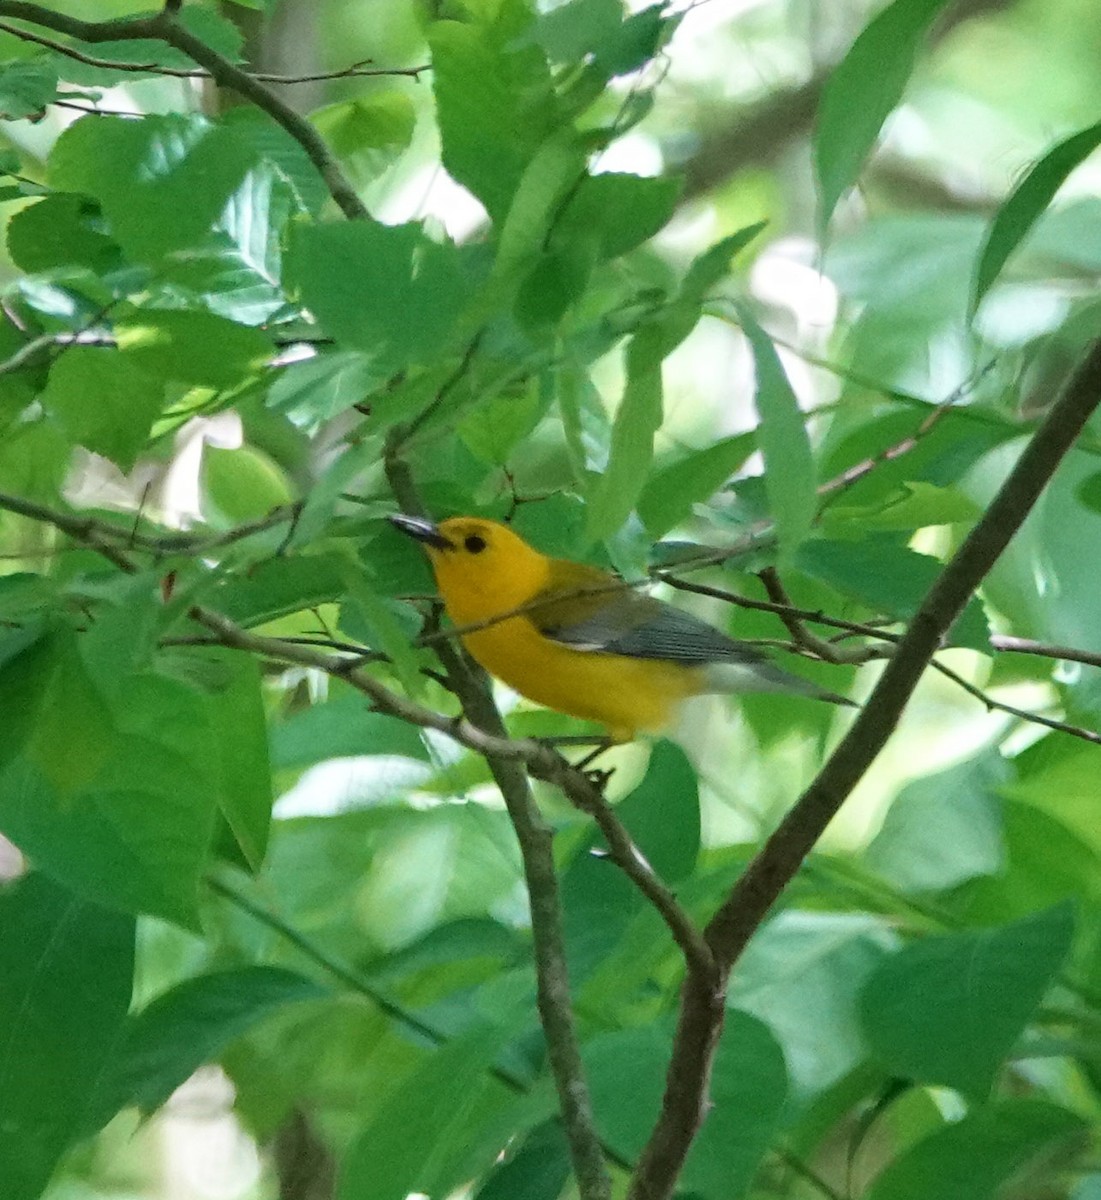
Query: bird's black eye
column 474, row 543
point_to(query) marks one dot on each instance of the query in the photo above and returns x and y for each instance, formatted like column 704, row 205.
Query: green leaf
column 889, row 578
column 672, row 490
column 385, row 289
column 59, row 231
column 187, row 1026
column 748, row 1089
column 1058, row 776
column 125, row 815
column 27, row 86
column 537, row 1170
column 580, row 27
column 103, row 402
column 192, row 347
column 790, row 475
column 943, row 828
column 428, row 1121
column 976, row 1157
column 235, row 708
column 279, row 586
column 627, row 1073
column 372, row 131
column 861, row 93
column 162, row 181
column 637, row 419
column 495, row 102
column 342, row 727
column 1047, row 863
column 240, row 485
column 1016, row 217
column 914, row 506
column 639, row 415
column 663, row 813
column 949, row 1009
column 620, row 211
column 802, row 975
column 557, row 166
column 235, row 270
column 66, row 968
column 494, row 427
column 639, row 39
column 325, row 386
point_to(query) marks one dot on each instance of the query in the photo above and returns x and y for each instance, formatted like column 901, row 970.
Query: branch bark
column 703, row 1006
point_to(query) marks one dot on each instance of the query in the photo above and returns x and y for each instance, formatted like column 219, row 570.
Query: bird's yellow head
column 481, row 566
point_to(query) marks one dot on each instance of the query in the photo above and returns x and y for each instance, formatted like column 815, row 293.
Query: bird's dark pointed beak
column 421, row 529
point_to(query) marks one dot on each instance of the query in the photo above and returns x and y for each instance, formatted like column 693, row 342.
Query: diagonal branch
column 163, row 27
column 739, row 916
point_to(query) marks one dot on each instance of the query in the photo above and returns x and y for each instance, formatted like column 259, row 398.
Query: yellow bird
column 582, row 642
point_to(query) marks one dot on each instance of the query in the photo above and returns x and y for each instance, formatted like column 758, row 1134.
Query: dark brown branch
column 163, row 27
column 740, row 915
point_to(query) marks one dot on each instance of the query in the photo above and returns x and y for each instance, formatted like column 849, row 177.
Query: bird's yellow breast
column 624, row 694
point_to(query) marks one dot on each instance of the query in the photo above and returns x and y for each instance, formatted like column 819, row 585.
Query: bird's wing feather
column 636, row 626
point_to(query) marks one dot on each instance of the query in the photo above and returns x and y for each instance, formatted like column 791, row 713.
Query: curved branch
column 164, row 28
column 701, row 1015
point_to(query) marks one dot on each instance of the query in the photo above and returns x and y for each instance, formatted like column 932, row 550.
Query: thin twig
column 358, row 70
column 1016, row 645
column 80, row 529
column 163, row 27
column 741, row 913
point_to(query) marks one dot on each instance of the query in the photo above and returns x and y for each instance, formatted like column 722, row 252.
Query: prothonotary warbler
column 583, row 643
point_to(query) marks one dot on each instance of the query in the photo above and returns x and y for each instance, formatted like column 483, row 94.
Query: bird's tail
column 763, row 676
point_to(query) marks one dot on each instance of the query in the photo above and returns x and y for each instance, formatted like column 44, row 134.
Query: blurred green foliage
column 599, row 294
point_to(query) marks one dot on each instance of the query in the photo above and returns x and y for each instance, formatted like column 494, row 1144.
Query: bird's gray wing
column 642, row 627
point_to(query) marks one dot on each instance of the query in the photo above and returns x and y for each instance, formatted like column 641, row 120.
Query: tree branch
column 738, row 917
column 535, row 839
column 163, row 27
column 358, row 70
column 1016, row 645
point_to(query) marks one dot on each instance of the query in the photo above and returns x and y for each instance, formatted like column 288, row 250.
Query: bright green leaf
column 240, row 485
column 975, row 1158
column 187, row 1026
column 103, row 402
column 162, row 181
column 861, row 93
column 495, row 102
column 372, row 131
column 59, row 231
column 1030, row 198
column 943, row 828
column 387, row 290
column 192, row 347
column 949, row 1009
column 671, row 491
column 790, row 475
